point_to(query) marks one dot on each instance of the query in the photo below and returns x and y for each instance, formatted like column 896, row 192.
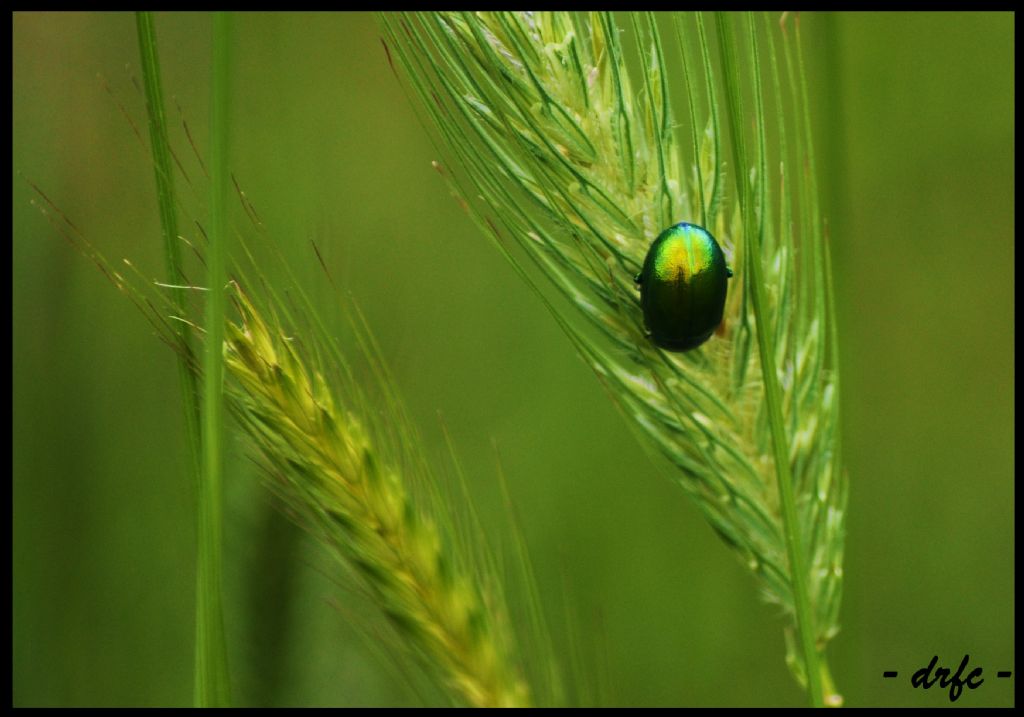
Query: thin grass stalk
column 212, row 688
column 164, row 174
column 773, row 398
column 755, row 212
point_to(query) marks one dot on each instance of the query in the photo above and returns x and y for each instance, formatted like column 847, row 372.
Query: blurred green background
column 916, row 146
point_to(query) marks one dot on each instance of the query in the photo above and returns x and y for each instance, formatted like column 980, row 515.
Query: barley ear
column 347, row 467
column 352, row 491
column 563, row 140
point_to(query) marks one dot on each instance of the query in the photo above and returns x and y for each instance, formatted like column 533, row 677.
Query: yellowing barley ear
column 567, row 144
column 345, row 483
column 348, row 468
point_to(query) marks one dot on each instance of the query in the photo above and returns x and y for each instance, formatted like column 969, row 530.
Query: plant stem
column 169, row 223
column 211, row 684
column 754, row 210
column 211, row 663
column 773, row 397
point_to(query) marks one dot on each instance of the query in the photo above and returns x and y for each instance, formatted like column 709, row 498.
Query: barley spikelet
column 565, row 141
column 345, row 487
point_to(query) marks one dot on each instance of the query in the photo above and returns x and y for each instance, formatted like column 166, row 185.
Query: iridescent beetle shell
column 683, row 285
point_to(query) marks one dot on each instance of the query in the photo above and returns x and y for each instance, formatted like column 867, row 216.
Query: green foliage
column 914, row 123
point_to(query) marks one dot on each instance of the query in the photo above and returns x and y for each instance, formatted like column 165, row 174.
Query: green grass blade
column 169, row 221
column 212, row 684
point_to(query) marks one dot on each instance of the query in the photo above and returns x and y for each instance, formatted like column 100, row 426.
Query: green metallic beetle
column 682, row 287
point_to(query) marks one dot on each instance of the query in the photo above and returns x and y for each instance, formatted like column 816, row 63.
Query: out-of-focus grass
column 916, row 144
